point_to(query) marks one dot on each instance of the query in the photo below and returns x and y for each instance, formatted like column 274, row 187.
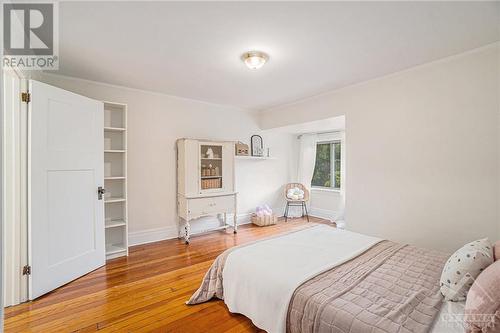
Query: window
column 327, row 167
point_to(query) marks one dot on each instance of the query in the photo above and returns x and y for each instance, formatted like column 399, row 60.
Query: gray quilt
column 388, row 288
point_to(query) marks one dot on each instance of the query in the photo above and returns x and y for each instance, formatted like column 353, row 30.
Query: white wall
column 155, row 121
column 326, row 204
column 422, row 150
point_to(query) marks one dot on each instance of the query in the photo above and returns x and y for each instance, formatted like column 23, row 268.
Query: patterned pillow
column 463, row 267
column 496, row 251
column 482, row 309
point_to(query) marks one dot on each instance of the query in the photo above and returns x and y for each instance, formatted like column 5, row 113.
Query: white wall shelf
column 114, row 199
column 115, row 151
column 255, row 158
column 115, row 179
column 114, row 129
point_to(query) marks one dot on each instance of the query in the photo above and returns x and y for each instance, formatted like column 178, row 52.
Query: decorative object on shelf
column 210, row 153
column 210, row 183
column 241, row 149
column 209, row 171
column 257, row 145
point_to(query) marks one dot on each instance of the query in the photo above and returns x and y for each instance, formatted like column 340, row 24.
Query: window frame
column 332, row 166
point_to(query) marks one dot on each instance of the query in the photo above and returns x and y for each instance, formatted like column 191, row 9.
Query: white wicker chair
column 296, row 203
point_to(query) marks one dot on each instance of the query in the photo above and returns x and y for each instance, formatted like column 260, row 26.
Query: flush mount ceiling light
column 254, row 59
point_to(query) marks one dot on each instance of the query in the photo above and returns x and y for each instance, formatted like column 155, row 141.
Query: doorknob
column 100, row 192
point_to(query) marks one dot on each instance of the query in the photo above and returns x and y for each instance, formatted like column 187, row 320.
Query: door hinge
column 26, row 97
column 27, row 270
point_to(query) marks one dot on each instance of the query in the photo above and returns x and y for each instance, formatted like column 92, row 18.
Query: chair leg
column 302, row 208
column 307, row 214
column 286, row 212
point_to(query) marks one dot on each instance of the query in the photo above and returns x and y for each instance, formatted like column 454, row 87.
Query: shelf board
column 114, row 199
column 114, row 177
column 240, row 157
column 212, row 159
column 210, row 177
column 114, row 223
column 114, row 129
column 115, row 151
column 112, row 248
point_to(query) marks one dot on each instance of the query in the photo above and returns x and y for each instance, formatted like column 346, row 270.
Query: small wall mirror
column 257, row 145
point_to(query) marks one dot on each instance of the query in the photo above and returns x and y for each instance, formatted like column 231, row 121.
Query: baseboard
column 151, row 235
column 242, row 218
column 159, row 234
column 323, row 213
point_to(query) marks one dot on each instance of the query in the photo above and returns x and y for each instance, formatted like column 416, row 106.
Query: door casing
column 14, row 179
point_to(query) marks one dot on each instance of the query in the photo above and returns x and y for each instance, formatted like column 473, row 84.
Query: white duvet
column 450, row 318
column 259, row 279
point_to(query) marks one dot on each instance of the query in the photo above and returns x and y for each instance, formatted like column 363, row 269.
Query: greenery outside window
column 327, row 170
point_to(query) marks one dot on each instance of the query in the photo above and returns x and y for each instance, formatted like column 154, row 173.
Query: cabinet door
column 212, row 171
column 228, row 166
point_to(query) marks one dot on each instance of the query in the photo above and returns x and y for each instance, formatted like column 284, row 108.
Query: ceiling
column 193, row 49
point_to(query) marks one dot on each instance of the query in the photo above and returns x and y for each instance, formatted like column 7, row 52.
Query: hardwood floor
column 144, row 292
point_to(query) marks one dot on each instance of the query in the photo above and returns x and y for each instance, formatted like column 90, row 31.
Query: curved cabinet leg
column 180, row 235
column 187, row 230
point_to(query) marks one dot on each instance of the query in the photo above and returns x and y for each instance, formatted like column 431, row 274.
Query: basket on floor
column 262, row 221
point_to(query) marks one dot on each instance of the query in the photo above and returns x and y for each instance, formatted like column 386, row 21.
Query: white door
column 66, row 216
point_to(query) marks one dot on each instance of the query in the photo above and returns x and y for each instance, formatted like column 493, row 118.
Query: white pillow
column 463, row 268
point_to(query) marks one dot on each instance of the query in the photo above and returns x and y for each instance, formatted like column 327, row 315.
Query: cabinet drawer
column 212, row 205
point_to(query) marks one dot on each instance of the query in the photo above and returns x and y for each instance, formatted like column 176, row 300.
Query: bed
column 323, row 279
column 450, row 318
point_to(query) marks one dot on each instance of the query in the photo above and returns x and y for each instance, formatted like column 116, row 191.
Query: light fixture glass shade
column 255, row 59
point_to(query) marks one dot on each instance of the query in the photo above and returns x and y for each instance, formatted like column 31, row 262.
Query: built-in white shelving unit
column 115, row 179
